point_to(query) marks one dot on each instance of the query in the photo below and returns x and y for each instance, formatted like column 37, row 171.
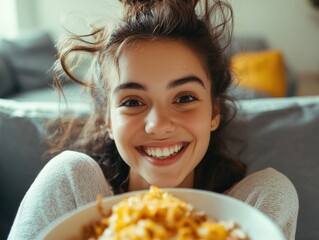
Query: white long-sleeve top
column 73, row 179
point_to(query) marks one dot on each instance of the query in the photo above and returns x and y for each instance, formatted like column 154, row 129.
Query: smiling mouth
column 162, row 152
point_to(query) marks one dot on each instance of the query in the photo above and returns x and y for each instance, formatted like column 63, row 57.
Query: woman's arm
column 272, row 193
column 68, row 181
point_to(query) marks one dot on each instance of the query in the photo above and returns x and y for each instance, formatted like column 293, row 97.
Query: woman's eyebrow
column 130, row 85
column 172, row 84
column 184, row 80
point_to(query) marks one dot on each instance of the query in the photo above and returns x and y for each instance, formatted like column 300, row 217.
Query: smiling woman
column 166, row 109
column 161, row 70
column 159, row 85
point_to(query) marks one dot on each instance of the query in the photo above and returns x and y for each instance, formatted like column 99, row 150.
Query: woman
column 159, row 85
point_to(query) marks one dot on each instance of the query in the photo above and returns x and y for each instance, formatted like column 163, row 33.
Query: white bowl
column 256, row 224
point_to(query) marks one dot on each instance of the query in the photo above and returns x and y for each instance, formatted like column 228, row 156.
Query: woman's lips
column 163, row 156
column 162, row 152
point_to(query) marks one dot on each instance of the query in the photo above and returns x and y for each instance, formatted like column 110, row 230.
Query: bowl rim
column 60, row 220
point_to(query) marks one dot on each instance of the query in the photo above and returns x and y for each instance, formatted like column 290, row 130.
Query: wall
column 54, row 14
column 27, row 13
column 289, row 25
column 8, row 19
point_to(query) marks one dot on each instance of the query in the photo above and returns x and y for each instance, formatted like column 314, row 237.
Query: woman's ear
column 110, row 134
column 215, row 115
column 215, row 122
column 109, row 128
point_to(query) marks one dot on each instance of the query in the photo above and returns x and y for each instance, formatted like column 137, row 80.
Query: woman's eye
column 131, row 103
column 186, row 98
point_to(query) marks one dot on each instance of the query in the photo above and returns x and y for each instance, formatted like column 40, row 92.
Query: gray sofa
column 281, row 133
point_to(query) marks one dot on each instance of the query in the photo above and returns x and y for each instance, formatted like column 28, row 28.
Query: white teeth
column 158, row 152
column 153, row 152
column 162, row 152
column 166, row 152
column 177, row 148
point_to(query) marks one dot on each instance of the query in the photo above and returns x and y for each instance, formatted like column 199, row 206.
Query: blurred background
column 290, row 26
column 274, row 54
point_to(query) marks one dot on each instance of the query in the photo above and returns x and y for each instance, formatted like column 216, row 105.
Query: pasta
column 157, row 214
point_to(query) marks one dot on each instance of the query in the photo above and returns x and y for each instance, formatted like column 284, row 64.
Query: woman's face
column 161, row 113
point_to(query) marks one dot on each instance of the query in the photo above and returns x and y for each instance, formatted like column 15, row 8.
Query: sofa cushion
column 7, row 85
column 241, row 43
column 30, row 58
column 263, row 71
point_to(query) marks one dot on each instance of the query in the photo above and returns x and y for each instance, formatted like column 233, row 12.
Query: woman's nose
column 159, row 122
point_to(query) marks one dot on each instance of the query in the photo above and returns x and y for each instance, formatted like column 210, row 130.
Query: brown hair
column 202, row 25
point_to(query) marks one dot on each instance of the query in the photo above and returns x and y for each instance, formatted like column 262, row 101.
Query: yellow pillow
column 263, row 71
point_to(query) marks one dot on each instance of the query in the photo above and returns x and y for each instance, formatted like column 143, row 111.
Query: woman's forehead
column 156, row 57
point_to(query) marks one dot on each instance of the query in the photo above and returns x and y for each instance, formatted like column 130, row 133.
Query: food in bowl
column 157, row 214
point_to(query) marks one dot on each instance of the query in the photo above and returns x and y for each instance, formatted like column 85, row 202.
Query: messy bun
column 131, row 7
column 176, row 19
column 134, row 2
column 135, row 8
